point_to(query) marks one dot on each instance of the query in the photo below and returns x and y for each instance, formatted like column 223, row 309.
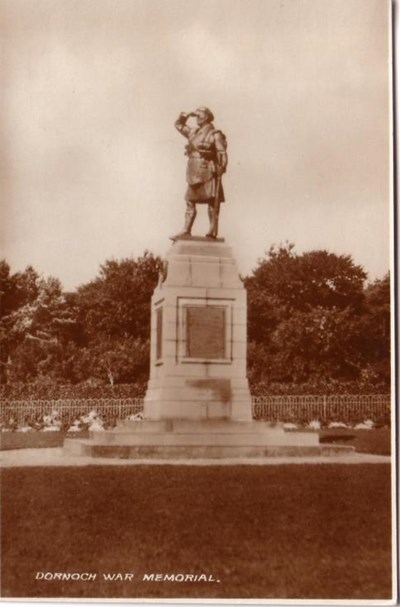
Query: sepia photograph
column 197, row 399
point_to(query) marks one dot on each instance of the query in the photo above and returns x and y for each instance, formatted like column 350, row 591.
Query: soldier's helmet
column 207, row 111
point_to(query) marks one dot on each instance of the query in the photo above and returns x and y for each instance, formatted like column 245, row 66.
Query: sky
column 93, row 169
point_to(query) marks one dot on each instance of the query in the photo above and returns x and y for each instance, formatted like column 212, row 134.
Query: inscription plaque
column 205, row 332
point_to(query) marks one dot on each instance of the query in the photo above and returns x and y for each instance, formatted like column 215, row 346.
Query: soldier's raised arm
column 180, row 124
column 221, row 146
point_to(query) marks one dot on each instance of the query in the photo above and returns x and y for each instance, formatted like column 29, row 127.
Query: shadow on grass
column 263, row 532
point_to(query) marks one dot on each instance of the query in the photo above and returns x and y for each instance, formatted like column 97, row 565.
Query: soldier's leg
column 213, row 215
column 190, row 216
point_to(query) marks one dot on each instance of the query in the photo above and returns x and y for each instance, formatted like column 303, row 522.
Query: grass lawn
column 365, row 441
column 319, row 531
column 375, row 441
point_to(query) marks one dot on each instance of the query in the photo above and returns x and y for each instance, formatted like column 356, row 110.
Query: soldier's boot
column 213, row 216
column 190, row 216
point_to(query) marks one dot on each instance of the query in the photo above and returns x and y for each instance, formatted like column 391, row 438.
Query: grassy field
column 375, row 441
column 320, row 531
column 365, row 441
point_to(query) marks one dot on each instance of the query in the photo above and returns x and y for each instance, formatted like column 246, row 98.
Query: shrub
column 51, row 391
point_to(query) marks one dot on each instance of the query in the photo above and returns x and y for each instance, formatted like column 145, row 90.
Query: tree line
column 313, row 321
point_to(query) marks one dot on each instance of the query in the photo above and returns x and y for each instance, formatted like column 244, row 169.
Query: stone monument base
column 198, row 402
column 210, row 439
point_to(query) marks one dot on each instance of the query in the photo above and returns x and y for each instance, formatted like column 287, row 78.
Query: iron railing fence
column 288, row 408
column 110, row 409
column 350, row 408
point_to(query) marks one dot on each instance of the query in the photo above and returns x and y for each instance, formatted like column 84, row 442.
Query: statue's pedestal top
column 200, row 263
column 198, row 238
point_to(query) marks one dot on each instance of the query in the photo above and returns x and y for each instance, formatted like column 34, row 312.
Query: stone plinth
column 185, row 439
column 198, row 337
column 198, row 403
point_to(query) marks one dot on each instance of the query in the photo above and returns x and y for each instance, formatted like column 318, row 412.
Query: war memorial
column 198, row 403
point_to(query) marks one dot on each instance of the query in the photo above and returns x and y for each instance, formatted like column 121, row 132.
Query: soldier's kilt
column 204, row 192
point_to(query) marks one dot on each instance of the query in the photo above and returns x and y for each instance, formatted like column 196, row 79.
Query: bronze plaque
column 205, row 334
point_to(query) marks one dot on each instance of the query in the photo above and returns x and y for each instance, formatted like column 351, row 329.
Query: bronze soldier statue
column 207, row 161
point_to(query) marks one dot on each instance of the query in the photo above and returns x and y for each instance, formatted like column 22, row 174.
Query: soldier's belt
column 203, row 155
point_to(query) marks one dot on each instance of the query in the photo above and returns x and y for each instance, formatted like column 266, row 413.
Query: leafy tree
column 40, row 333
column 285, row 282
column 100, row 333
column 114, row 319
column 311, row 319
column 16, row 290
column 377, row 296
column 321, row 342
column 114, row 361
column 376, row 333
column 117, row 303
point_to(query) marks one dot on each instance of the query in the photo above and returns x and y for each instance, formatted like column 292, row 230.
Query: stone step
column 165, row 452
column 81, row 446
column 218, row 426
column 270, row 437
